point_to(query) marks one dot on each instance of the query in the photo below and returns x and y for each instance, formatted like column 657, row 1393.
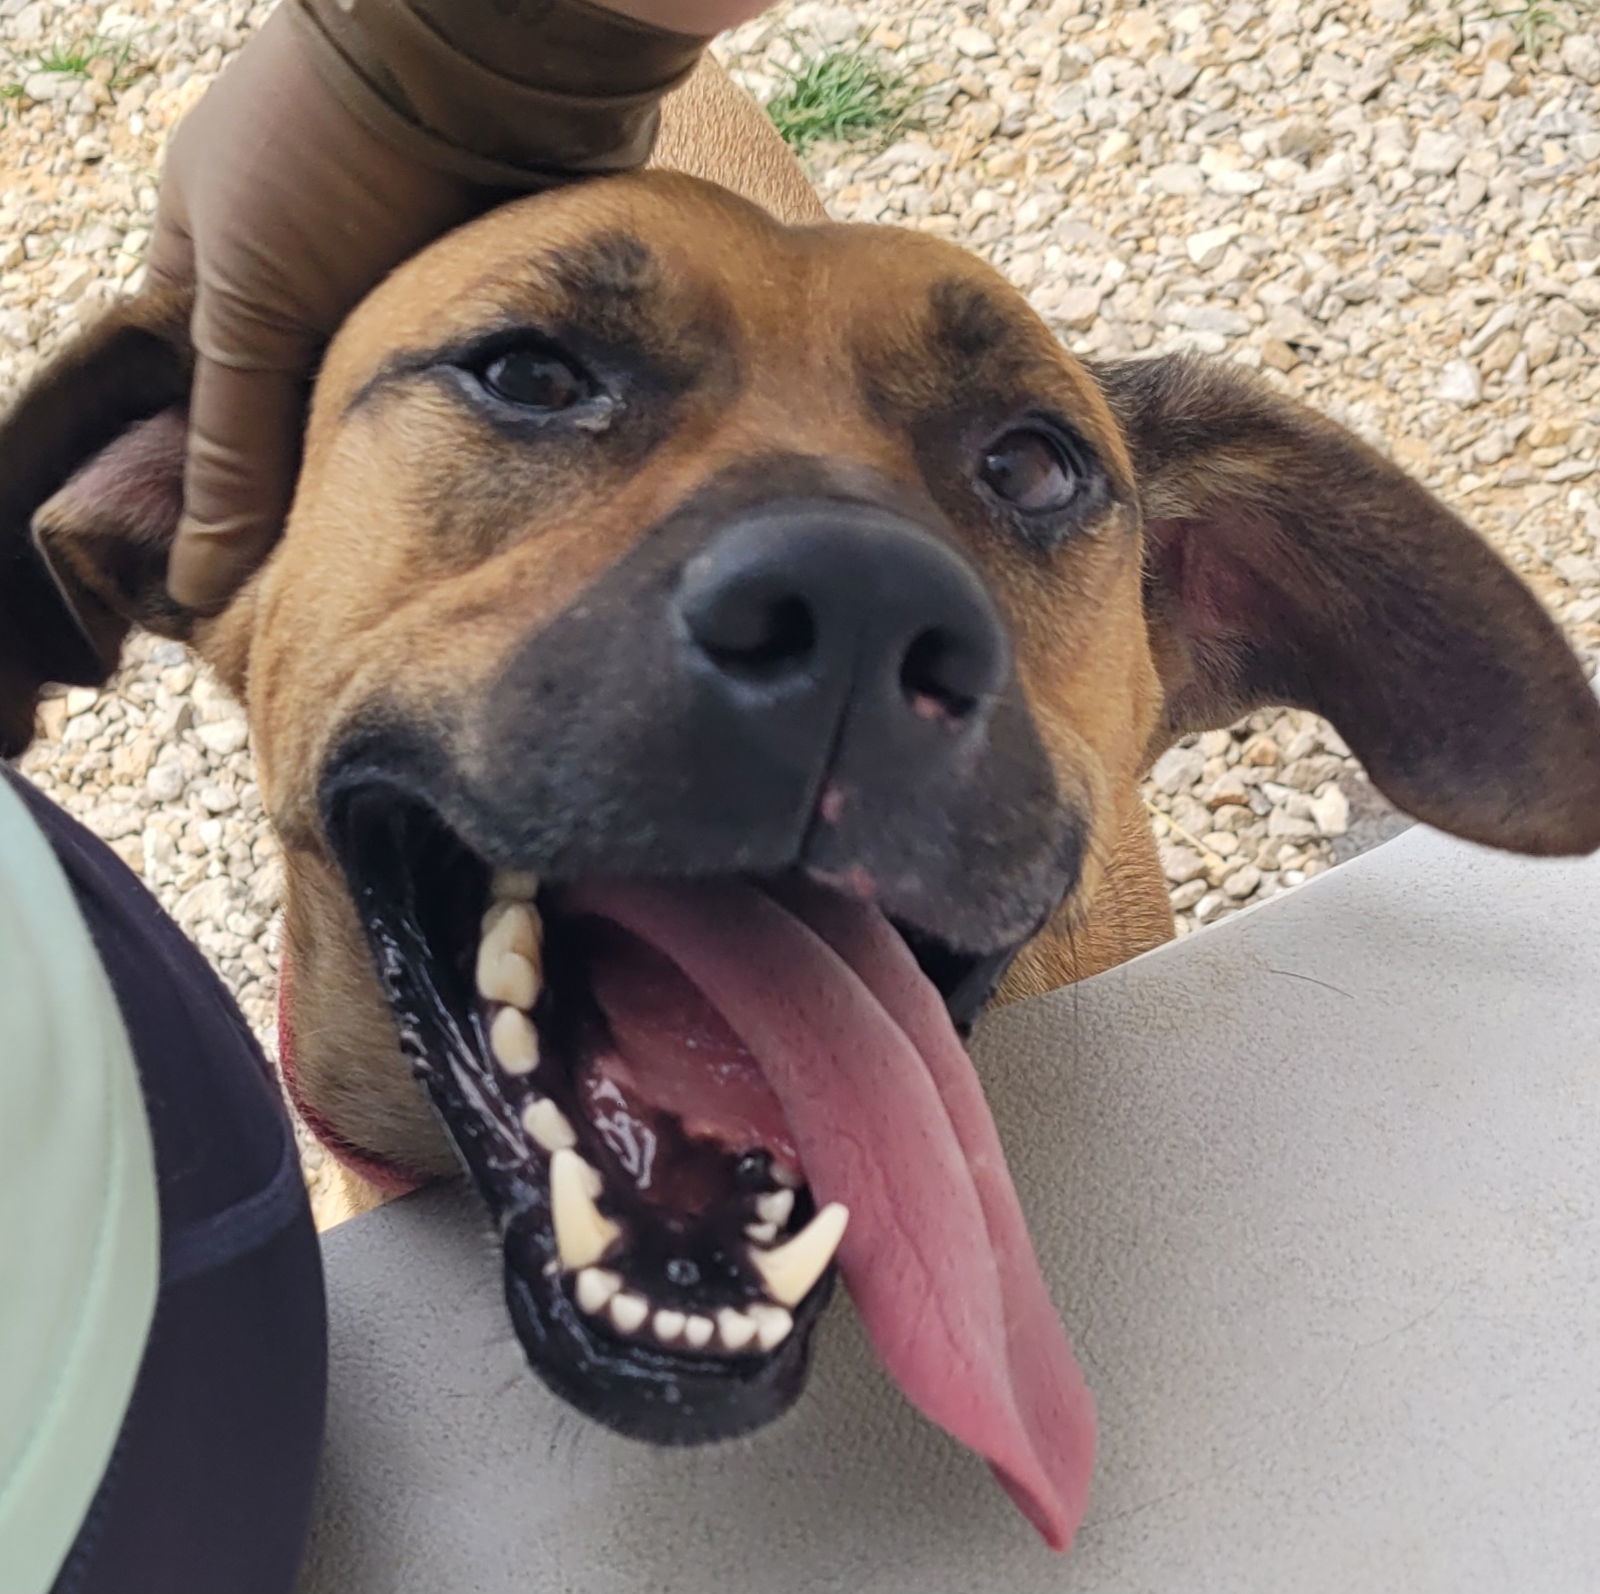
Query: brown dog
column 707, row 656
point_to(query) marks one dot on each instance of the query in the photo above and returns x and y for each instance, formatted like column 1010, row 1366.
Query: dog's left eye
column 536, row 379
column 1031, row 470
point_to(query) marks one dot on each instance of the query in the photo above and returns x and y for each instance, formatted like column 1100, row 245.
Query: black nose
column 849, row 604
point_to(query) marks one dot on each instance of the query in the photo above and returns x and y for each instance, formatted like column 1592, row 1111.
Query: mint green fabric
column 79, row 1231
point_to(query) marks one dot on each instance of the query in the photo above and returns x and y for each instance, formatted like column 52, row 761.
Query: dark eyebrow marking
column 967, row 320
column 612, row 266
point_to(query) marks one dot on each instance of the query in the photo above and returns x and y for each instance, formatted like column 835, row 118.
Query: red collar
column 388, row 1177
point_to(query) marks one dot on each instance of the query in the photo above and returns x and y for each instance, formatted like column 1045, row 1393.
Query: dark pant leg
column 208, row 1490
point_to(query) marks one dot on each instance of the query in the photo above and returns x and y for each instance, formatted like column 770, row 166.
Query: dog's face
column 702, row 657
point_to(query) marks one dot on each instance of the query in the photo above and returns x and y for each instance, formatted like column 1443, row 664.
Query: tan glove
column 345, row 136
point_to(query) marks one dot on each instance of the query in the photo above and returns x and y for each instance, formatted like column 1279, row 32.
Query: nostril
column 932, row 676
column 760, row 638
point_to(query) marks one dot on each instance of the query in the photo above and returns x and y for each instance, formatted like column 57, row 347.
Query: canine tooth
column 697, row 1331
column 514, row 885
column 762, row 1233
column 668, row 1324
column 736, row 1329
column 513, row 1041
column 797, row 1264
column 506, row 977
column 595, row 1287
column 775, row 1206
column 772, row 1325
column 583, row 1232
column 628, row 1312
column 547, row 1124
column 782, row 1175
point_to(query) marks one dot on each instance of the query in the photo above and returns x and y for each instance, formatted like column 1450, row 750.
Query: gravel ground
column 1393, row 209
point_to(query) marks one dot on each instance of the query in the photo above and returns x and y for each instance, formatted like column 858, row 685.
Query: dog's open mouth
column 683, row 1101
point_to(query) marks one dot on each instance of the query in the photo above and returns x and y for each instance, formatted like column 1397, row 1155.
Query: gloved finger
column 169, row 259
column 244, row 450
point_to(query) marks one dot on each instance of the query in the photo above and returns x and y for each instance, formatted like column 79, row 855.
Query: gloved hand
column 345, row 136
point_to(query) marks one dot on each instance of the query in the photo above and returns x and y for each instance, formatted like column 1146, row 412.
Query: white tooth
column 781, row 1175
column 583, row 1232
column 772, row 1325
column 736, row 1329
column 698, row 1331
column 547, row 1124
column 797, row 1264
column 506, row 977
column 762, row 1233
column 512, row 927
column 596, row 1286
column 628, row 1312
column 514, row 885
column 775, row 1206
column 513, row 1041
column 668, row 1325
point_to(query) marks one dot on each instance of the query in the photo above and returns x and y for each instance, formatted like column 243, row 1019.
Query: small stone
column 1280, row 822
column 1284, row 61
column 1207, row 248
column 1585, row 293
column 1297, row 138
column 1278, row 355
column 1492, row 447
column 1228, row 788
column 1176, row 769
column 43, row 87
column 1580, row 55
column 80, row 700
column 1209, row 906
column 1179, row 179
column 1078, row 307
column 1175, row 76
column 1330, row 812
column 218, row 799
column 1496, row 78
column 1117, row 148
column 1459, row 383
column 1187, row 895
column 224, row 737
column 1181, row 864
column 1261, row 751
column 1437, row 154
column 165, row 782
column 973, row 43
column 1243, row 882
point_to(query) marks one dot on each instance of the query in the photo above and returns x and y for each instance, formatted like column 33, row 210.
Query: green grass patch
column 1537, row 26
column 840, row 97
column 80, row 56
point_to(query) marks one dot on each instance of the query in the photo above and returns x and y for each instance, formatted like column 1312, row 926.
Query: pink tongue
column 889, row 1118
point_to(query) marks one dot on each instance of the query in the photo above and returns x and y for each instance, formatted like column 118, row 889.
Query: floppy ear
column 1287, row 562
column 91, row 478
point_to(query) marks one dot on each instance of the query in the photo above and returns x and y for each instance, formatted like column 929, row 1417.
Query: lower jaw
column 654, row 1399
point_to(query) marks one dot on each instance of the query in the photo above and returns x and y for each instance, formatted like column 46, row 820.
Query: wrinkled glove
column 345, row 136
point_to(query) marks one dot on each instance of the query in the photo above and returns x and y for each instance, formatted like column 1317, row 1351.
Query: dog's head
column 701, row 655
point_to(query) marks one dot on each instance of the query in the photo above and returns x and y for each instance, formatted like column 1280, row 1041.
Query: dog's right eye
column 536, row 379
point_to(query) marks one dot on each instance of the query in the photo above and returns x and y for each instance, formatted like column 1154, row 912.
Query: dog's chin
column 665, row 1261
